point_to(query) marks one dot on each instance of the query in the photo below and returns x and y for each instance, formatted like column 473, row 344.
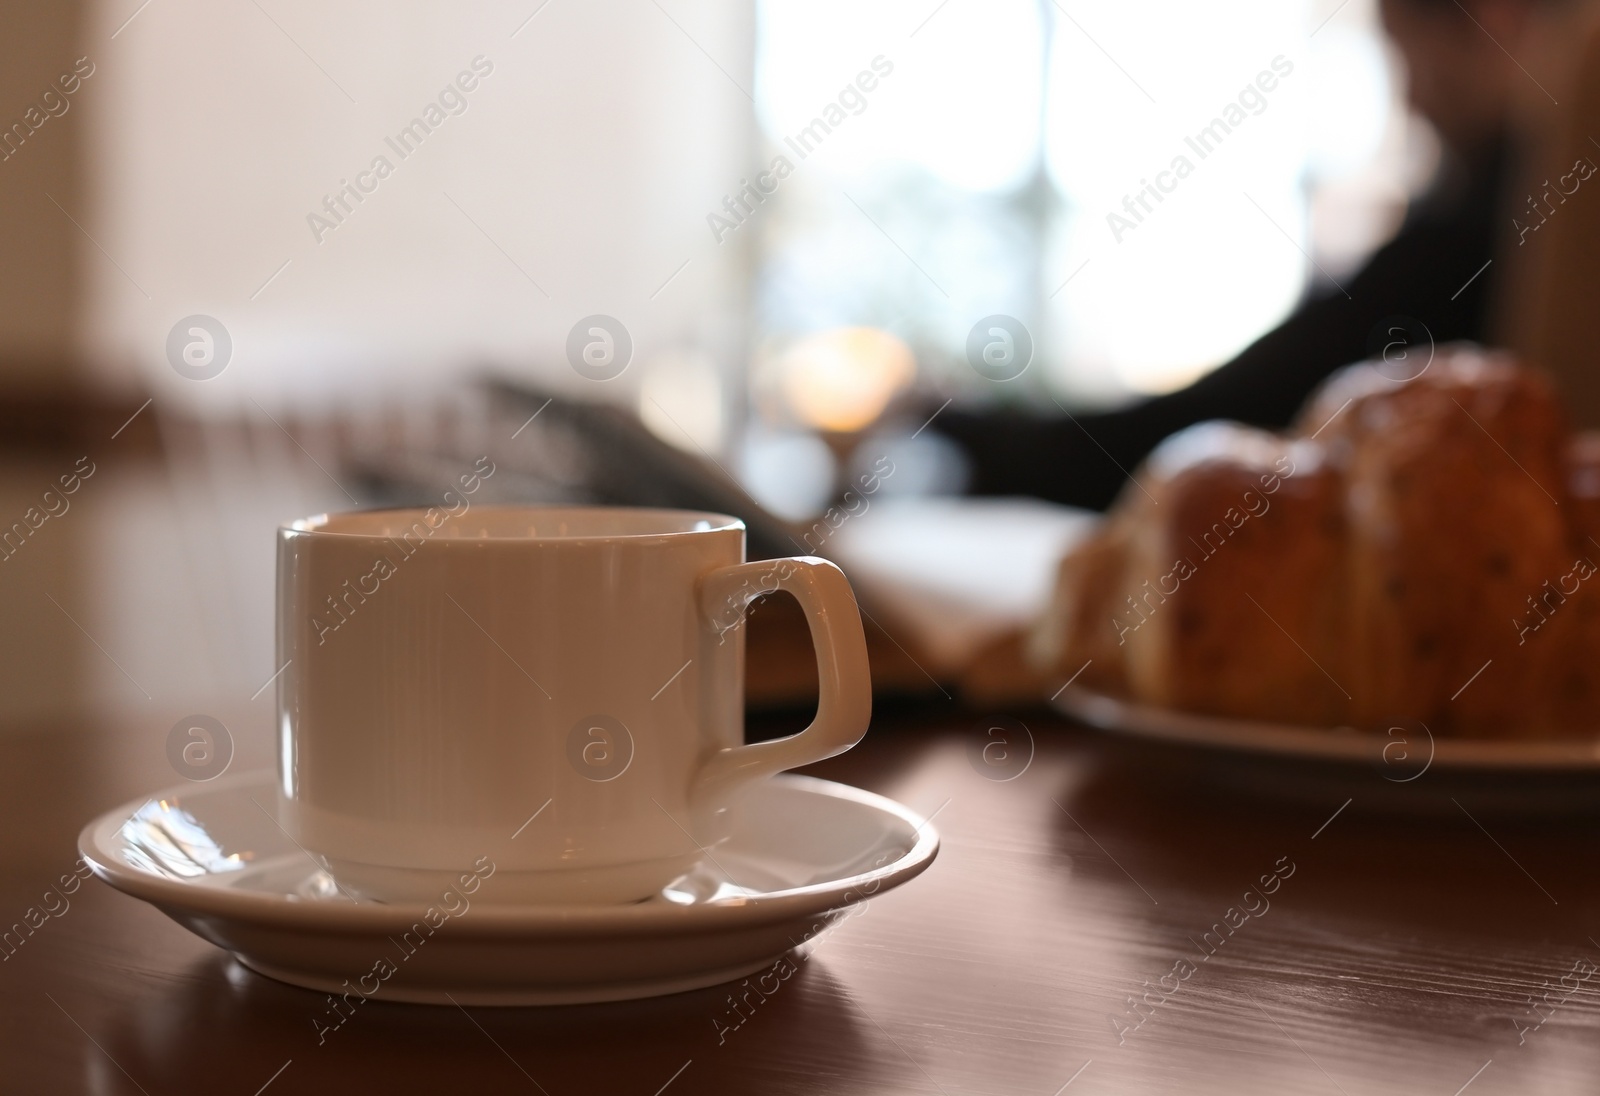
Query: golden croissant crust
column 1411, row 550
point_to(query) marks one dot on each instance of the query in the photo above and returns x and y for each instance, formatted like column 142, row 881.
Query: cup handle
column 844, row 700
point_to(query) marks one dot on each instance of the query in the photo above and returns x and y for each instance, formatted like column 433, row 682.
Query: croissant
column 1410, row 550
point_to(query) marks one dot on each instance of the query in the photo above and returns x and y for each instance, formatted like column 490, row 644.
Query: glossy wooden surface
column 1396, row 953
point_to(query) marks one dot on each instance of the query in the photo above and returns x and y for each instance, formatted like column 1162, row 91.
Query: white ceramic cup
column 558, row 691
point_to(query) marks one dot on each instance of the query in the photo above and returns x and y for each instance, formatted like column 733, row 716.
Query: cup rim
column 649, row 527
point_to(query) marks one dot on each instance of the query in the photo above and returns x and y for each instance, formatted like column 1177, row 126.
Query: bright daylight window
column 1121, row 178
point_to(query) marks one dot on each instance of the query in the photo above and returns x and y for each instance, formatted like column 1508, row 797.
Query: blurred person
column 1463, row 81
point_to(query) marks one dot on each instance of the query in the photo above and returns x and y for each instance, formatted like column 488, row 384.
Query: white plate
column 1408, row 752
column 803, row 852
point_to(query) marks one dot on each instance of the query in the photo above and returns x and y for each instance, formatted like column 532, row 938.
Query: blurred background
column 272, row 257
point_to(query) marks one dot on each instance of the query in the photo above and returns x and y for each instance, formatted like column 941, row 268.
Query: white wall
column 590, row 156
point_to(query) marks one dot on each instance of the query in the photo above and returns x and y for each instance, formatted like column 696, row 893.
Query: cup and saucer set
column 511, row 768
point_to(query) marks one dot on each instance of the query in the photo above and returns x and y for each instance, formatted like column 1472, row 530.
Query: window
column 1146, row 187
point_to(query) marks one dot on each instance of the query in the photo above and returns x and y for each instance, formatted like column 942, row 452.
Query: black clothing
column 1085, row 459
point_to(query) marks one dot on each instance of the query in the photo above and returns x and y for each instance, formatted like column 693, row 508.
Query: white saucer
column 803, row 852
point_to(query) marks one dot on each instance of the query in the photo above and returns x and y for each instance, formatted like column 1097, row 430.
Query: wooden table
column 1394, row 954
